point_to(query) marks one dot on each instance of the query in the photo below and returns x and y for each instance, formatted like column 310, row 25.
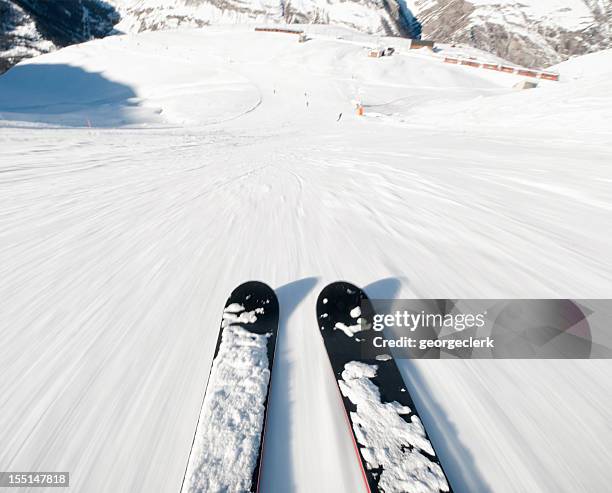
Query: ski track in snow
column 119, row 246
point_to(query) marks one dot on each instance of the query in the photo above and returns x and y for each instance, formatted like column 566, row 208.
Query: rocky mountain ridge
column 534, row 33
column 32, row 27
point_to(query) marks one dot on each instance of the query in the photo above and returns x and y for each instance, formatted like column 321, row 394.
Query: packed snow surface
column 388, row 441
column 118, row 247
column 226, row 445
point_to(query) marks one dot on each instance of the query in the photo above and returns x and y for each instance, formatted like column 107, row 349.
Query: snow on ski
column 227, row 449
column 395, row 453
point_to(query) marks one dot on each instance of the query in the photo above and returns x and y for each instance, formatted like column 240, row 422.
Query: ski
column 226, row 453
column 393, row 448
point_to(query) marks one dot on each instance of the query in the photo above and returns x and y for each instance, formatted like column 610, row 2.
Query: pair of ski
column 393, row 449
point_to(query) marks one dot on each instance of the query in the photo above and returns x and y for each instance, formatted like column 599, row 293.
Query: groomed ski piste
column 142, row 177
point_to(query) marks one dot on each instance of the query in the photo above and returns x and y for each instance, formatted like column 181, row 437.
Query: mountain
column 31, row 27
column 389, row 17
column 527, row 32
column 19, row 37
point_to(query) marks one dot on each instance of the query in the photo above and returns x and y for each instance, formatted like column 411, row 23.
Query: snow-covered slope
column 237, row 155
column 596, row 66
column 528, row 32
column 370, row 16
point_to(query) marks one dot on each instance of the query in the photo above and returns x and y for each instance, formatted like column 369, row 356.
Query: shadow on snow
column 277, row 465
column 65, row 95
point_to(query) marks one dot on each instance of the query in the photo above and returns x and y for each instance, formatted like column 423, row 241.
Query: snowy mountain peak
column 390, row 17
column 527, row 32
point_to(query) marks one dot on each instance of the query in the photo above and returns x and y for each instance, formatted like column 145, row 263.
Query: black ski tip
column 249, row 289
column 257, row 296
column 254, row 294
column 340, row 287
column 337, row 301
column 339, row 290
